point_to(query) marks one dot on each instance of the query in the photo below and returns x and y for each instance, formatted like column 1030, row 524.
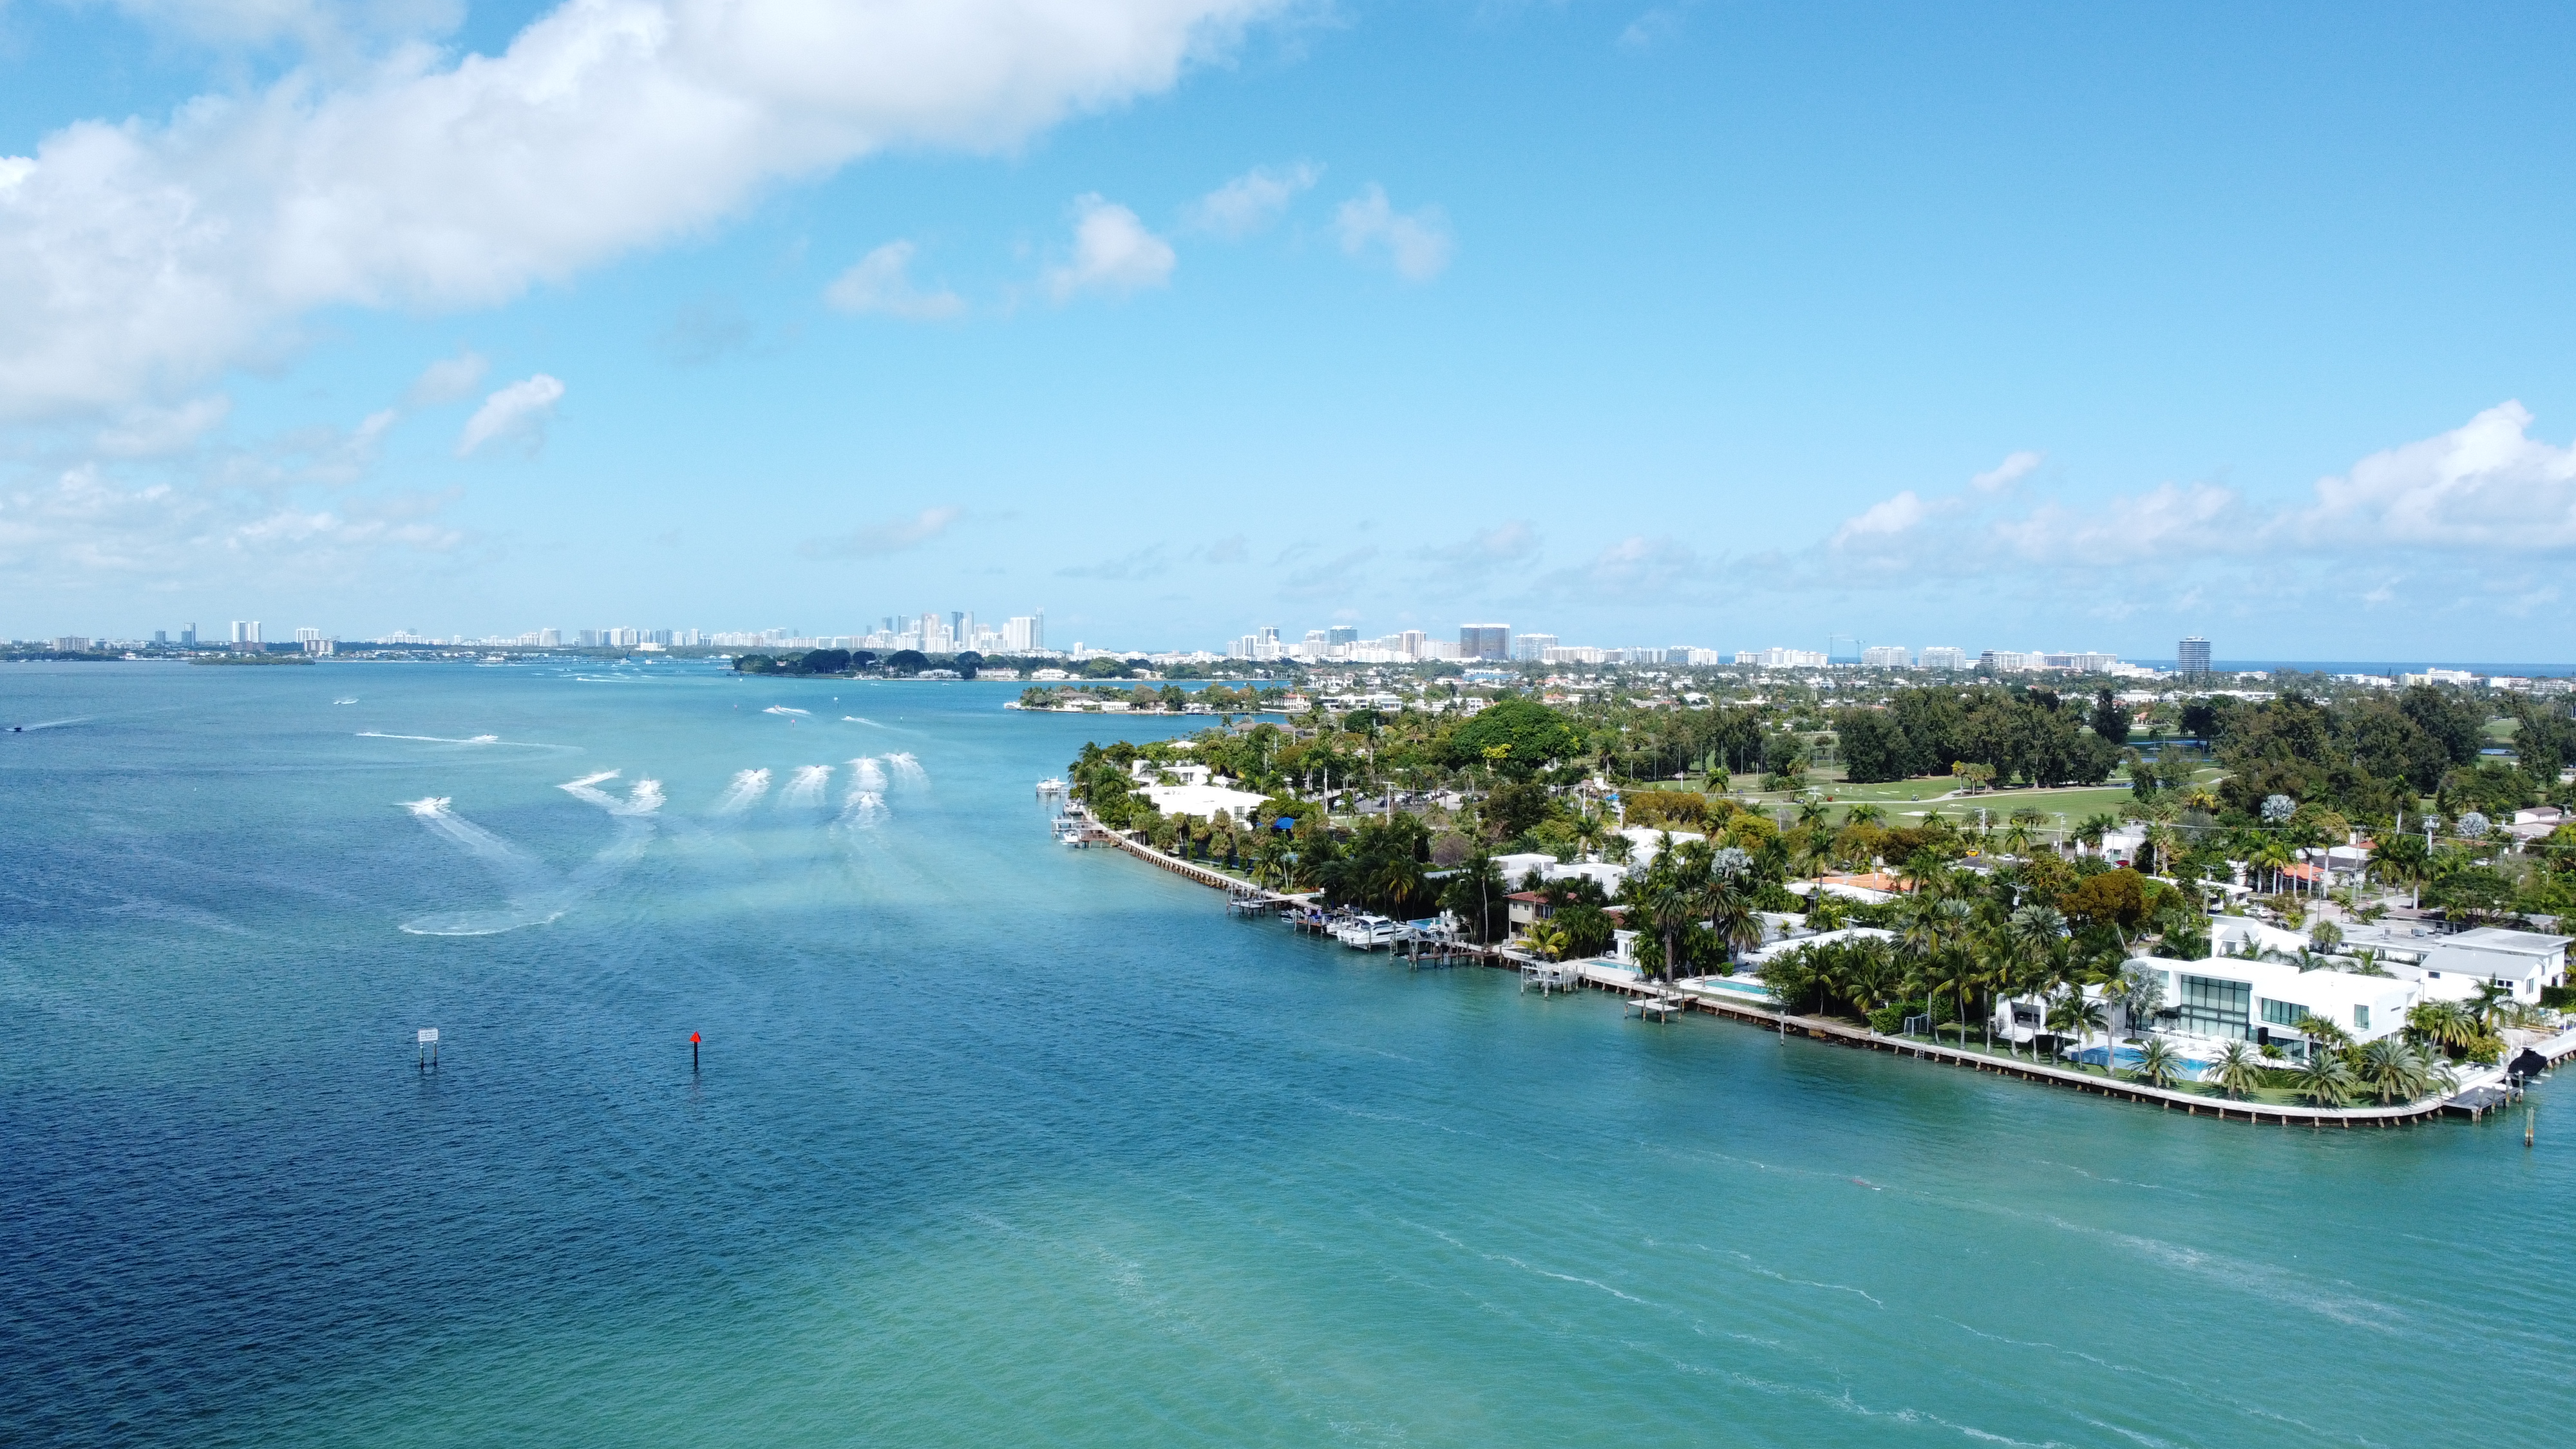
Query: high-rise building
column 188, row 636
column 1484, row 641
column 550, row 638
column 1884, row 656
column 2191, row 656
column 1527, row 648
column 246, row 631
column 1945, row 656
column 160, row 638
column 1342, row 634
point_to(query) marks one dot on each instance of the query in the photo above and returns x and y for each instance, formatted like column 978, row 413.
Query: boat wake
column 745, row 791
column 468, row 740
column 534, row 892
column 785, row 709
column 805, row 790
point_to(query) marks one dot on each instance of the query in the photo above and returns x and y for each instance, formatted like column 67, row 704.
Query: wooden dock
column 1663, row 1001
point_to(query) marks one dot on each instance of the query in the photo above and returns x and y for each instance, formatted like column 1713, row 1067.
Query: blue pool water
column 1001, row 1143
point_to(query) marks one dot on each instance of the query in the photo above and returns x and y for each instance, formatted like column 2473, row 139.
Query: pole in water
column 693, row 1051
column 428, row 1042
column 2530, row 1120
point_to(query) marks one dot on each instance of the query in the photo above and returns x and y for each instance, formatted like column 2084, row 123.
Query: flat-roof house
column 2523, row 961
column 2453, row 967
column 2227, row 998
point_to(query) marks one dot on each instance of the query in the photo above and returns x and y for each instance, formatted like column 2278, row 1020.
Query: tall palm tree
column 2238, row 1070
column 2078, row 1015
column 1864, row 813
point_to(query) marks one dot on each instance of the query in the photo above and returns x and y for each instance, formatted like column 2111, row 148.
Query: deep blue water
column 999, row 1143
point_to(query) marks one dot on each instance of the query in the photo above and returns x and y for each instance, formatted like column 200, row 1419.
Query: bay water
column 995, row 1142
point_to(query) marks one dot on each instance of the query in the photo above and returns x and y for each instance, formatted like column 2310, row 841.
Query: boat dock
column 2484, row 1091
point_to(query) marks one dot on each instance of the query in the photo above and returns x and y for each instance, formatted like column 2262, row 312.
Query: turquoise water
column 1001, row 1143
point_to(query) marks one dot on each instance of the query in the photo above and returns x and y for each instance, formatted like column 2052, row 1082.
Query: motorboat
column 1050, row 786
column 1367, row 933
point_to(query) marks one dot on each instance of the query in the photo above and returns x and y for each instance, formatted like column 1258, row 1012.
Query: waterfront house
column 2207, row 1003
column 2452, row 967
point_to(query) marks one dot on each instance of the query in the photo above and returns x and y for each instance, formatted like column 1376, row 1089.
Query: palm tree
column 1550, row 940
column 2158, row 1063
column 2238, row 1070
column 2325, row 1081
column 2271, row 856
column 2442, row 1024
column 1731, row 914
column 1864, row 814
column 2393, row 1069
column 2078, row 1015
column 2093, row 827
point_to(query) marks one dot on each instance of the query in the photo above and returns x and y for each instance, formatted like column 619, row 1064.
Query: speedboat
column 1050, row 786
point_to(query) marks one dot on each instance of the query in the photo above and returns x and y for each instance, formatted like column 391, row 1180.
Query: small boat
column 1050, row 786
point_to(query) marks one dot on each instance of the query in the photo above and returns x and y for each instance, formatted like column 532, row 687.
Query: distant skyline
column 1634, row 324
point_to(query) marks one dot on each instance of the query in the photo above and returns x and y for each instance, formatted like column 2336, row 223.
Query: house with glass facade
column 2228, row 998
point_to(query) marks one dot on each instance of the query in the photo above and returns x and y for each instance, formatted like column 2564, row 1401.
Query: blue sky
column 2000, row 326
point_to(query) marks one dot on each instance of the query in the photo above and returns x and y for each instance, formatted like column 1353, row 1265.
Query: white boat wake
column 535, row 893
column 745, row 791
column 806, row 788
column 468, row 740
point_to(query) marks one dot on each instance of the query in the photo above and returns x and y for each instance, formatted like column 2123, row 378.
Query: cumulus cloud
column 448, row 379
column 146, row 432
column 87, row 529
column 2014, row 468
column 892, row 535
column 1510, row 542
column 1253, row 200
column 2474, row 518
column 882, row 284
column 1112, row 252
column 2487, row 484
column 517, row 413
column 1418, row 243
column 138, row 258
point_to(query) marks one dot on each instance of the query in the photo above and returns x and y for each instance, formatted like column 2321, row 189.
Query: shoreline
column 1681, row 997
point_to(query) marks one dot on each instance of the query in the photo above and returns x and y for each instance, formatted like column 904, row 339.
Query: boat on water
column 1366, row 933
column 1050, row 786
column 1069, row 831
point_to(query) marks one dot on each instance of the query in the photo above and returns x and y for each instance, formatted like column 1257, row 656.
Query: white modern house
column 2211, row 1002
column 1182, row 789
column 2452, row 967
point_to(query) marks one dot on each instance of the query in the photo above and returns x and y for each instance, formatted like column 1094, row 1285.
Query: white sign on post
column 428, row 1034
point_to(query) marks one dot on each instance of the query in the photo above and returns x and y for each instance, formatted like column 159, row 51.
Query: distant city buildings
column 1944, row 656
column 2191, row 657
column 1885, row 656
column 1485, row 641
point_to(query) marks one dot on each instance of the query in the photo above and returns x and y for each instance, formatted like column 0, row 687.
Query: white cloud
column 2486, row 484
column 1888, row 518
column 518, row 412
column 892, row 535
column 146, row 432
column 882, row 283
column 448, row 379
column 1112, row 252
column 1253, row 200
column 1418, row 244
column 1653, row 28
column 137, row 259
column 2014, row 468
column 313, row 23
column 2169, row 521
